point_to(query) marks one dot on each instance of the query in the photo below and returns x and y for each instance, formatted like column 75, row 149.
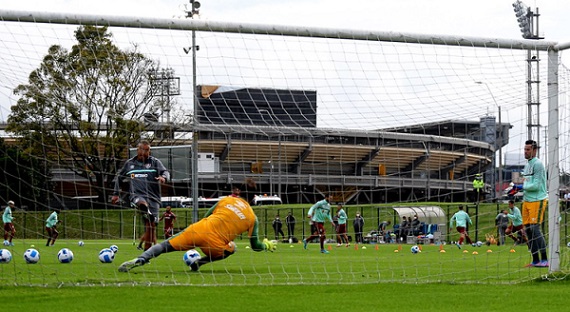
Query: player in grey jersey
column 145, row 174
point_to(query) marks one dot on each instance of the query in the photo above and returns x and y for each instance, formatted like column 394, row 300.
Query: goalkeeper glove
column 269, row 246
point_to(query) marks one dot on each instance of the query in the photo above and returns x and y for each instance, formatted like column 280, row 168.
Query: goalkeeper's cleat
column 129, row 265
column 195, row 266
column 325, row 251
column 542, row 264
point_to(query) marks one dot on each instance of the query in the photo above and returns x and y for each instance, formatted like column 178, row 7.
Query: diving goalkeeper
column 213, row 234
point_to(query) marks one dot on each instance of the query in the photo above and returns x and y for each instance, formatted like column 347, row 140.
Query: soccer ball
column 65, row 255
column 479, row 243
column 5, row 256
column 415, row 249
column 191, row 256
column 106, row 255
column 114, row 248
column 32, row 256
column 80, row 243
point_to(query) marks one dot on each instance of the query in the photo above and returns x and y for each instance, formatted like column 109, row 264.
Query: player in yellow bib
column 214, row 235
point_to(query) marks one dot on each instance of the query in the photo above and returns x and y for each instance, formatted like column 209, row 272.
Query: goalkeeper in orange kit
column 214, row 235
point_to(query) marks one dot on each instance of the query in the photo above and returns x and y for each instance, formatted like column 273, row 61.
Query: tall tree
column 83, row 108
column 23, row 179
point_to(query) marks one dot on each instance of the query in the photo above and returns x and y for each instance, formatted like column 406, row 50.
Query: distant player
column 341, row 228
column 51, row 228
column 169, row 217
column 9, row 230
column 461, row 219
column 213, row 234
column 318, row 213
column 516, row 226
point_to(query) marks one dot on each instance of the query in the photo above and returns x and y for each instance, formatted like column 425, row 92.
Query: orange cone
column 400, row 247
column 355, row 246
column 440, row 247
column 330, row 247
column 376, row 247
column 420, row 246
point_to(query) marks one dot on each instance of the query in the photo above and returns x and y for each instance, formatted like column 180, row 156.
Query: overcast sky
column 482, row 18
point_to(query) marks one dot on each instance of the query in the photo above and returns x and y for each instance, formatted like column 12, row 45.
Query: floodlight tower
column 528, row 23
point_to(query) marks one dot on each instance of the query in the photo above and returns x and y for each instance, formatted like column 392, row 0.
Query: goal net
column 392, row 125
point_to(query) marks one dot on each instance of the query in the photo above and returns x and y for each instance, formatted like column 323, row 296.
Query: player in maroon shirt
column 169, row 217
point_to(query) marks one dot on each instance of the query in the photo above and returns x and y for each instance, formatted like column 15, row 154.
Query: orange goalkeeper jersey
column 232, row 216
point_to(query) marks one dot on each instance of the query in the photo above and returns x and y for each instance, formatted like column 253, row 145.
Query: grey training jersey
column 142, row 178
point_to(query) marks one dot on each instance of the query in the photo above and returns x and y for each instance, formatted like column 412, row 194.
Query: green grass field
column 289, row 265
column 290, row 279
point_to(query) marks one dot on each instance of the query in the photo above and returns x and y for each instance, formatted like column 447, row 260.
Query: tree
column 82, row 109
column 23, row 179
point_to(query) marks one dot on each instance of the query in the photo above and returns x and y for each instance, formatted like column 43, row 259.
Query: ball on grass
column 191, row 256
column 65, row 255
column 114, row 248
column 31, row 256
column 5, row 256
column 106, row 255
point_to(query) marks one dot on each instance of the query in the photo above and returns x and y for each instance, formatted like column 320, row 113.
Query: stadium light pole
column 194, row 10
column 499, row 142
column 528, row 24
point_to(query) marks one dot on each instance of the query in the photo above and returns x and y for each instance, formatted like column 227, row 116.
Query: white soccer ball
column 106, row 255
column 80, row 243
column 415, row 249
column 479, row 243
column 32, row 256
column 5, row 256
column 114, row 248
column 191, row 256
column 568, row 245
column 65, row 255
